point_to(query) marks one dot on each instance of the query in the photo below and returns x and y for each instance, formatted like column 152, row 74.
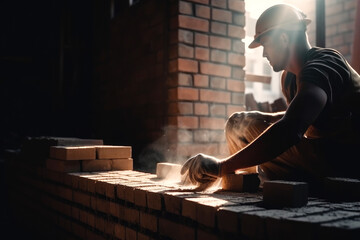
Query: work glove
column 201, row 169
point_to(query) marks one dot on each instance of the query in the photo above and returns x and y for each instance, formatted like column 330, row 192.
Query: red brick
column 72, row 153
column 201, row 136
column 100, row 223
column 122, row 164
column 112, row 152
column 202, row 53
column 182, row 108
column 187, row 93
column 236, row 31
column 221, row 15
column 119, row 231
column 81, row 198
column 148, row 221
column 238, row 73
column 219, row 28
column 202, row 235
column 235, row 85
column 219, row 3
column 237, row 98
column 220, row 43
column 218, row 56
column 202, row 11
column 102, row 205
column 163, row 169
column 185, row 36
column 201, row 80
column 201, row 109
column 212, row 123
column 131, row 215
column 238, row 46
column 217, row 110
column 214, row 96
column 186, row 51
column 201, row 39
column 215, row 69
column 63, row 165
column 184, row 122
column 142, row 236
column 185, row 7
column 184, row 79
column 236, row 59
column 130, row 234
column 175, row 230
column 248, row 182
column 237, row 5
column 192, row 23
column 217, row 82
column 239, row 19
column 110, row 228
column 96, row 165
column 186, row 65
column 65, row 193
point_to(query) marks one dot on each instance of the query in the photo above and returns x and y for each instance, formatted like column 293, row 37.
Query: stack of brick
column 136, row 205
column 90, row 158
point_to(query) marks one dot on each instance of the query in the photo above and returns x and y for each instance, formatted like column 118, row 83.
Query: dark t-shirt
column 329, row 70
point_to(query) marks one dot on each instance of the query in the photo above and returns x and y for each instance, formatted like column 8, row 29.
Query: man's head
column 278, row 30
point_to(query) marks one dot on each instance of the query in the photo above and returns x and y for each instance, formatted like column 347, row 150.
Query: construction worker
column 317, row 136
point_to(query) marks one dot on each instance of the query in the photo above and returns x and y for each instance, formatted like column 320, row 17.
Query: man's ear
column 284, row 39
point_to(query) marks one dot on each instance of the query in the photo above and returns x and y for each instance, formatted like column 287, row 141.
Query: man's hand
column 201, row 169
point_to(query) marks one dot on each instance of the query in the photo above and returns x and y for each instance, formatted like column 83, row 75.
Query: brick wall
column 206, row 76
column 170, row 77
column 136, row 205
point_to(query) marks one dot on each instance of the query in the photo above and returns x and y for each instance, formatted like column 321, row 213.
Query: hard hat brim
column 288, row 26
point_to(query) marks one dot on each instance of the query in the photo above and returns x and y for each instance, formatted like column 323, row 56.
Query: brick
column 202, row 11
column 236, row 59
column 201, row 80
column 154, row 197
column 235, row 85
column 81, row 198
column 206, row 211
column 165, row 170
column 113, row 152
column 72, row 153
column 202, row 53
column 63, row 165
column 237, row 73
column 236, row 32
column 214, row 96
column 219, row 28
column 219, row 3
column 217, row 82
column 212, row 123
column 202, row 109
column 185, row 36
column 221, row 15
column 65, row 193
column 175, row 230
column 220, row 43
column 100, row 223
column 201, row 39
column 217, row 110
column 141, row 236
column 185, row 7
column 122, row 164
column 119, row 231
column 96, row 165
column 192, row 23
column 206, row 2
column 229, row 217
column 102, row 205
column 342, row 229
column 244, row 182
column 185, row 51
column 238, row 19
column 131, row 215
column 237, row 5
column 130, row 234
column 201, row 136
column 285, row 194
column 149, row 222
column 173, row 201
column 215, row 69
column 110, row 228
column 184, row 122
column 237, row 98
column 238, row 46
column 218, row 56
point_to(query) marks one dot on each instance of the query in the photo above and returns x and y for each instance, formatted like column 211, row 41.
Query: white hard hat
column 280, row 16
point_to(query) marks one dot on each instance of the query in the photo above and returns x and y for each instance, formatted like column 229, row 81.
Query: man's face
column 275, row 50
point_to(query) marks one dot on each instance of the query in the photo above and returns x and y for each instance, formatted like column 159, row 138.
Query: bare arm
column 301, row 113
